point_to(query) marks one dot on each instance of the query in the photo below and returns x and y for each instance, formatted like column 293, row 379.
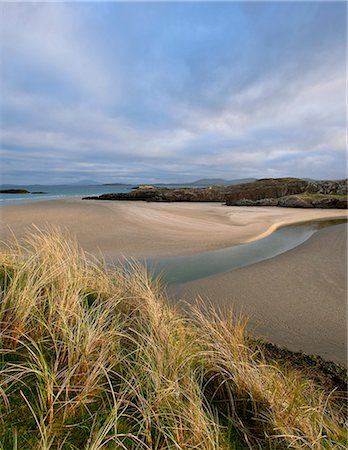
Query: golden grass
column 96, row 358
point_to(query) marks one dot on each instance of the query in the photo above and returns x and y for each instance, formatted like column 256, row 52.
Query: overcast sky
column 172, row 91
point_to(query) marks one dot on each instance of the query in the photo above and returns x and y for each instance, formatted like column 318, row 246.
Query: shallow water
column 182, row 269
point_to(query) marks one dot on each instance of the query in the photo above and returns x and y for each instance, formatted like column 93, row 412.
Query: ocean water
column 56, row 192
column 65, row 191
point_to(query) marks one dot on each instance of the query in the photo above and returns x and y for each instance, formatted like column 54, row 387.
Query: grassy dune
column 97, row 358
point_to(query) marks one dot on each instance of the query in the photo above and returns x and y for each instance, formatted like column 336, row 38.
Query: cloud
column 51, row 41
column 167, row 92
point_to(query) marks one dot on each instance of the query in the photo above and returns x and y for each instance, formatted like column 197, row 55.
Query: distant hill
column 220, row 181
column 85, row 183
column 202, row 182
column 116, row 184
column 209, row 182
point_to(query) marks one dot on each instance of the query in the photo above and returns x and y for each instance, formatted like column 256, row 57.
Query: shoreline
column 137, row 229
column 278, row 226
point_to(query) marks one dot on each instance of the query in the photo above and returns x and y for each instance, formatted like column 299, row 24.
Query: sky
column 172, row 92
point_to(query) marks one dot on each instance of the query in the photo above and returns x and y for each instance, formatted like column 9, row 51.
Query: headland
column 282, row 192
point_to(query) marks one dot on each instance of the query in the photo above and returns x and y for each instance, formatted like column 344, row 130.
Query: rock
column 247, row 202
column 328, row 187
column 342, row 203
column 241, row 202
column 14, row 191
column 267, row 202
column 293, row 201
column 286, row 192
column 332, row 202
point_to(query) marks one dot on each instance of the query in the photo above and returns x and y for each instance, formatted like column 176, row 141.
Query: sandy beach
column 297, row 299
column 140, row 229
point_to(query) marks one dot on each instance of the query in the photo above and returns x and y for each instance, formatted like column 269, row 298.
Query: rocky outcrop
column 19, row 191
column 294, row 201
column 297, row 201
column 169, row 195
column 330, row 202
column 328, row 187
column 291, row 201
column 247, row 202
column 14, row 191
column 285, row 192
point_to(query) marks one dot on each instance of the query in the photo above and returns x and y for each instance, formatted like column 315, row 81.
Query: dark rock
column 14, row 191
column 267, row 202
column 342, row 203
column 330, row 202
column 241, row 202
column 247, row 202
column 293, row 201
column 39, row 192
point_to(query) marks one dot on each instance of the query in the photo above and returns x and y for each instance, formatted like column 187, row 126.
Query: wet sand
column 297, row 299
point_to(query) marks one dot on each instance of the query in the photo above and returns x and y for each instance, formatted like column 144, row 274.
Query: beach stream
column 183, row 269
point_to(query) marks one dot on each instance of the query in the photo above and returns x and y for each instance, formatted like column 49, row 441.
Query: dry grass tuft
column 96, row 358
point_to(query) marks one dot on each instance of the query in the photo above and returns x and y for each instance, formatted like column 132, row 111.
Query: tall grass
column 97, row 358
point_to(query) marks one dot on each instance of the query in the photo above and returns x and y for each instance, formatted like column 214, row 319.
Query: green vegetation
column 310, row 196
column 96, row 358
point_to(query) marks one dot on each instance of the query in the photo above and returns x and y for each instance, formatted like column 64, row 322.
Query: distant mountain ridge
column 220, row 181
column 200, row 182
column 116, row 184
column 84, row 183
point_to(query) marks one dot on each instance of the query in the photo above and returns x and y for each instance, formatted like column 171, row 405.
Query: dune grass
column 94, row 357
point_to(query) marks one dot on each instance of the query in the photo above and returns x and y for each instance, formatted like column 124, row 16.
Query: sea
column 57, row 192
